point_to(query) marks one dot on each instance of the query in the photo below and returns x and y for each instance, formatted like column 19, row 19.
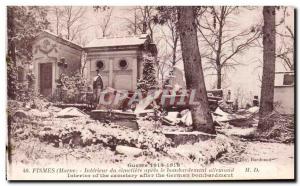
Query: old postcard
column 150, row 93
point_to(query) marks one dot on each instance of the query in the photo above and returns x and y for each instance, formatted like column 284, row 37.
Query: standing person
column 97, row 86
column 228, row 96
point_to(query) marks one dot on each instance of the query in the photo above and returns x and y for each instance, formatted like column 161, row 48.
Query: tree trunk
column 174, row 51
column 219, row 50
column 11, row 26
column 219, row 77
column 202, row 120
column 68, row 32
column 57, row 24
column 268, row 76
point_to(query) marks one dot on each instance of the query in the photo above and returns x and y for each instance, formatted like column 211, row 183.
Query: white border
column 4, row 3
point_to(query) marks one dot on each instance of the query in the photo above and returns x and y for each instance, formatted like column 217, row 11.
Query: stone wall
column 48, row 49
column 284, row 99
column 115, row 76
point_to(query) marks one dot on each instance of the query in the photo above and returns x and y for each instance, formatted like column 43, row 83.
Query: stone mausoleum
column 118, row 59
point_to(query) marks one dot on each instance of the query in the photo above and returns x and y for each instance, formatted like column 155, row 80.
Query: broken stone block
column 70, row 112
column 129, row 151
column 166, row 121
column 145, row 113
column 126, row 119
column 187, row 118
column 171, row 118
column 253, row 110
column 216, row 92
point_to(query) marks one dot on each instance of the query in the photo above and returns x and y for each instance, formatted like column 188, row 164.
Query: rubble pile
column 178, row 118
column 171, row 107
column 226, row 107
column 72, row 128
column 108, row 135
column 145, row 129
column 282, row 130
column 242, row 118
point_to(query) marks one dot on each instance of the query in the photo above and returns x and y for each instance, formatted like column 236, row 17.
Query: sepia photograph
column 152, row 93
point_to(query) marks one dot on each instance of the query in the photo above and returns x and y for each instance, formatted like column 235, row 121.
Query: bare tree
column 168, row 17
column 268, row 77
column 57, row 13
column 171, row 52
column 172, row 38
column 172, row 41
column 202, row 120
column 104, row 14
column 104, row 21
column 71, row 21
column 285, row 51
column 164, row 66
column 68, row 22
column 223, row 42
column 143, row 20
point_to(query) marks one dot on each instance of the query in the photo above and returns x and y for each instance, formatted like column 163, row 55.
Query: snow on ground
column 81, row 140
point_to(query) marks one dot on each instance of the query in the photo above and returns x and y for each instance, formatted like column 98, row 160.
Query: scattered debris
column 126, row 133
column 220, row 112
column 224, row 116
column 146, row 112
column 171, row 118
column 282, row 130
column 207, row 151
column 243, row 118
column 186, row 117
column 70, row 112
column 253, row 110
column 224, row 106
column 80, row 106
column 216, row 92
column 178, row 118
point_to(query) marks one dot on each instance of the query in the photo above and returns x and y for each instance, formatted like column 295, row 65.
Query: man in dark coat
column 97, row 86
